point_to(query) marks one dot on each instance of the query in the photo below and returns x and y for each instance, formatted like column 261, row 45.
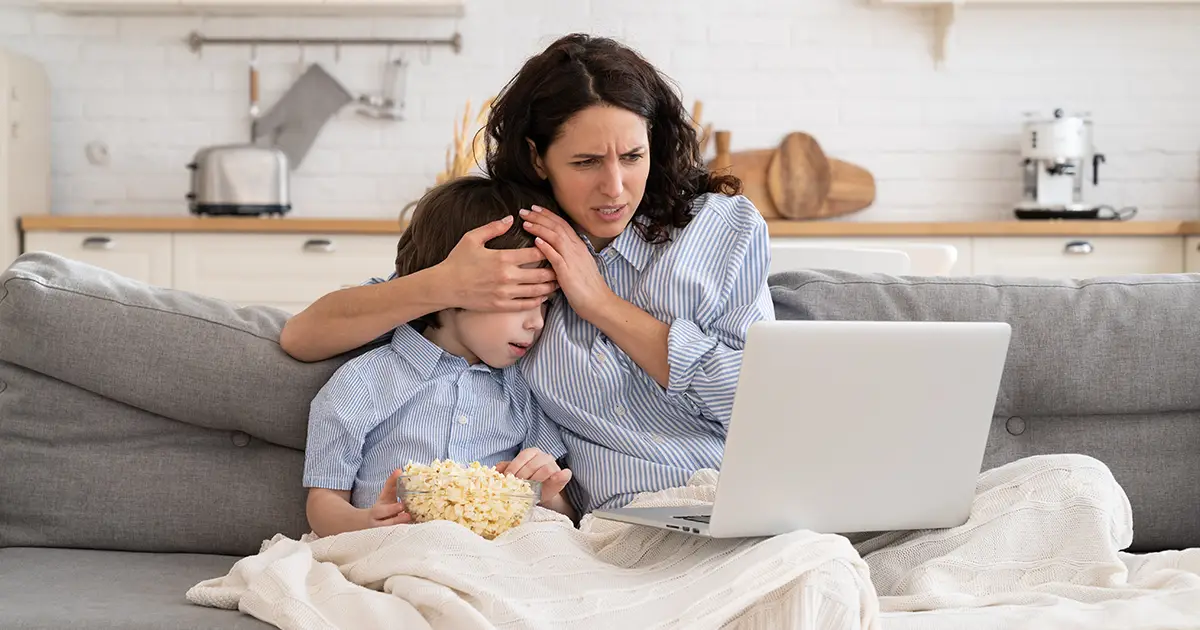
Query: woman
column 663, row 270
column 663, row 274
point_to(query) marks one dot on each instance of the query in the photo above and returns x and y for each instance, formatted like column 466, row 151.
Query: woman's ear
column 536, row 159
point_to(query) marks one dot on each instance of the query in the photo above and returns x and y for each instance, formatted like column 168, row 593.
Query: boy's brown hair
column 452, row 209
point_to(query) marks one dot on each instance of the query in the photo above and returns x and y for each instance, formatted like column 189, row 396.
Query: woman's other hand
column 481, row 279
column 573, row 264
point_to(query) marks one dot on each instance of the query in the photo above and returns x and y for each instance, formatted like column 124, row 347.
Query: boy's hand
column 534, row 465
column 387, row 509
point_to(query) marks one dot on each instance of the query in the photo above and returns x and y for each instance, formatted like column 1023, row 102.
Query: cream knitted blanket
column 1040, row 550
column 547, row 574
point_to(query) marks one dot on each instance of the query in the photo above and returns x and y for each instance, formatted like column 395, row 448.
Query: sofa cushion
column 61, row 589
column 1107, row 367
column 176, row 416
column 194, row 359
column 81, row 470
column 1095, row 346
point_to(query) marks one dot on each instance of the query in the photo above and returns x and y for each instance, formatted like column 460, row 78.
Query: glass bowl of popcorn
column 477, row 497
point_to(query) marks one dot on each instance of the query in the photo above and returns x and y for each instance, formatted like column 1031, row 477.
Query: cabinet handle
column 98, row 242
column 1078, row 247
column 322, row 245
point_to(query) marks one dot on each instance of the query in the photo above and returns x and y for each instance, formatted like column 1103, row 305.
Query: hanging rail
column 196, row 41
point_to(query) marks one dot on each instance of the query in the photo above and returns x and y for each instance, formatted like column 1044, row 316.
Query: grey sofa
column 149, row 437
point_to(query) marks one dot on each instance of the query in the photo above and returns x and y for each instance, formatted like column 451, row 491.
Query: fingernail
column 525, row 212
column 528, row 224
column 538, row 208
column 507, row 219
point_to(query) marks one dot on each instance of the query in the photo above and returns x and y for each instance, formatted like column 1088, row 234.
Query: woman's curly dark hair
column 579, row 71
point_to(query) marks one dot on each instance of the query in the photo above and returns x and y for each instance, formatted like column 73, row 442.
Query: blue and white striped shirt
column 412, row 401
column 625, row 433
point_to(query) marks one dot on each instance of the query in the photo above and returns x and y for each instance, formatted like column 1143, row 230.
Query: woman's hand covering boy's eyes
column 482, row 279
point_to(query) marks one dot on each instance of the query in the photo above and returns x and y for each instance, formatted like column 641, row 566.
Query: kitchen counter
column 777, row 228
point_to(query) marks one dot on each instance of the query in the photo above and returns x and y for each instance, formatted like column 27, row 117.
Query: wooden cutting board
column 798, row 176
column 851, row 188
column 751, row 168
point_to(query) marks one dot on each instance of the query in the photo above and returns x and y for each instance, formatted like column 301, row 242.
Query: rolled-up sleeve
column 340, row 417
column 704, row 352
column 378, row 280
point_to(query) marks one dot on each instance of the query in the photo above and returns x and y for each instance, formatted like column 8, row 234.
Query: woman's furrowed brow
column 637, row 149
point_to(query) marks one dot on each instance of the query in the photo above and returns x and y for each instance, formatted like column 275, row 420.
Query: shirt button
column 658, row 439
column 619, row 410
column 600, row 358
column 462, row 419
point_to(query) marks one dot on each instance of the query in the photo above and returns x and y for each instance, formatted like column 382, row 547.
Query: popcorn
column 477, row 497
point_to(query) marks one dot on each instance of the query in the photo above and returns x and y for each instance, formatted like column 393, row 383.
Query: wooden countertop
column 829, row 229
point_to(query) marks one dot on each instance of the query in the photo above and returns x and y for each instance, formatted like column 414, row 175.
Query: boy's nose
column 535, row 321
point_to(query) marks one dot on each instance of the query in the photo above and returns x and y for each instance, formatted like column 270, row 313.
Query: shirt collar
column 629, row 244
column 423, row 355
column 632, row 247
column 420, row 352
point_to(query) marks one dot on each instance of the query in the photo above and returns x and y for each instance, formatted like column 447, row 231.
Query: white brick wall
column 942, row 143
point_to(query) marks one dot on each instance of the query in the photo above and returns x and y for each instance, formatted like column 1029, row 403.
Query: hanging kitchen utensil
column 254, row 109
column 389, row 103
column 293, row 123
column 303, row 65
column 798, row 176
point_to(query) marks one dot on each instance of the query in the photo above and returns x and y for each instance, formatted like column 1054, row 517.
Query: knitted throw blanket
column 1041, row 550
column 547, row 574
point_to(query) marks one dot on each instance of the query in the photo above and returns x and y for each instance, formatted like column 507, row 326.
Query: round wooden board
column 798, row 177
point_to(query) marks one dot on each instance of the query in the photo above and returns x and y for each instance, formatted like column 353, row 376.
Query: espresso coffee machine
column 1058, row 156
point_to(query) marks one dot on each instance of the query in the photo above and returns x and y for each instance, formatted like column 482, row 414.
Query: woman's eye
column 587, row 162
column 633, row 157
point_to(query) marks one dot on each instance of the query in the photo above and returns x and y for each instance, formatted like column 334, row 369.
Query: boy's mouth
column 520, row 348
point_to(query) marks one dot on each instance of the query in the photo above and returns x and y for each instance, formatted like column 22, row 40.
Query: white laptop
column 847, row 426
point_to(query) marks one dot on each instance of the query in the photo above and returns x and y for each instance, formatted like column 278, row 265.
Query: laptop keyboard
column 702, row 518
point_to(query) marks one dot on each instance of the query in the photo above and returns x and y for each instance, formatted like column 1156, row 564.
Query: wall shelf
column 249, row 8
column 945, row 12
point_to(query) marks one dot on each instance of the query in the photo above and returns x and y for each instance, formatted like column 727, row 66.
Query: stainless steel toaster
column 239, row 179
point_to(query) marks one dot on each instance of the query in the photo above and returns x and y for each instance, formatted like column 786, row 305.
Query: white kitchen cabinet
column 144, row 256
column 962, row 265
column 415, row 8
column 289, row 271
column 1191, row 254
column 289, row 263
column 1062, row 257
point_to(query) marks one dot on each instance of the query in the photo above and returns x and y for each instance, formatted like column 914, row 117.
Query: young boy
column 445, row 387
